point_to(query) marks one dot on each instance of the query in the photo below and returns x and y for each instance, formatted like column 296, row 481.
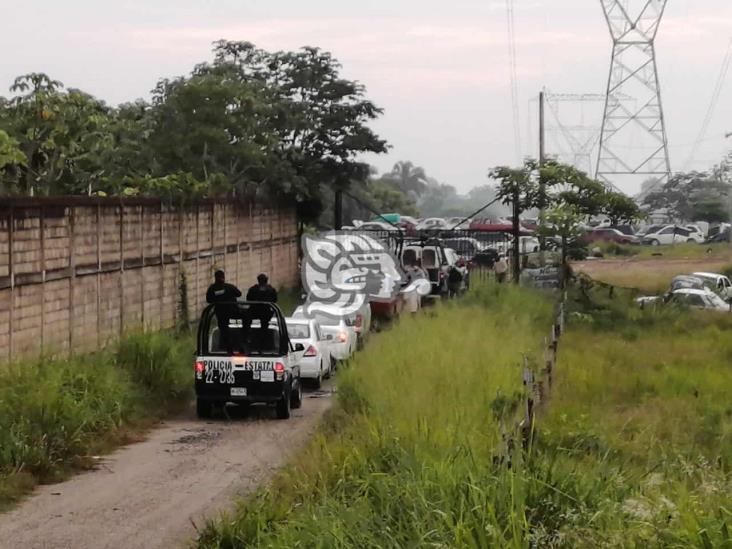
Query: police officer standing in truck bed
column 224, row 296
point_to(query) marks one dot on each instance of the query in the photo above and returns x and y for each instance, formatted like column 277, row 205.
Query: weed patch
column 53, row 414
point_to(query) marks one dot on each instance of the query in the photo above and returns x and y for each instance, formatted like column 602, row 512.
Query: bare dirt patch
column 651, row 274
column 155, row 493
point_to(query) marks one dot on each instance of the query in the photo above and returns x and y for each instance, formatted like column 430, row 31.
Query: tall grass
column 410, row 454
column 53, row 414
column 633, row 448
column 636, row 447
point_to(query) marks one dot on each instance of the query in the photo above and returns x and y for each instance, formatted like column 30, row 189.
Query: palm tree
column 410, row 179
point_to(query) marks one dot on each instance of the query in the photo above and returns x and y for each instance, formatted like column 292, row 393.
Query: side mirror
column 299, row 347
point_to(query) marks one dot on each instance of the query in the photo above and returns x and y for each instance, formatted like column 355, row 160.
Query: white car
column 689, row 297
column 433, row 223
column 377, row 226
column 345, row 339
column 317, row 362
column 459, row 222
column 672, row 234
column 700, row 299
column 722, row 283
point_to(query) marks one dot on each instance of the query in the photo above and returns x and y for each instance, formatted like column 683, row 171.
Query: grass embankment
column 632, row 450
column 638, row 267
column 637, row 441
column 55, row 414
column 407, row 456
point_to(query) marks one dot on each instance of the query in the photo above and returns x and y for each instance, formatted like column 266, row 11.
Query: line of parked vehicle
column 655, row 235
column 273, row 354
column 251, row 353
column 705, row 291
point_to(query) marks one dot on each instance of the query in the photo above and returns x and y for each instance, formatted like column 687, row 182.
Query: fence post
column 121, row 269
column 72, row 273
column 99, row 275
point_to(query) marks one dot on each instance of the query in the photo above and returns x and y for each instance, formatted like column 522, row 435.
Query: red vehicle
column 488, row 226
column 608, row 234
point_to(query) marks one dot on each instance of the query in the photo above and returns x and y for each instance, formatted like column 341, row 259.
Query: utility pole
column 516, row 256
column 338, row 209
column 542, row 183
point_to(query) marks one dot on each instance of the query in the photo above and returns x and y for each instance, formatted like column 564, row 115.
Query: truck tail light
column 200, row 367
column 279, row 368
column 342, row 337
column 311, row 351
column 359, row 320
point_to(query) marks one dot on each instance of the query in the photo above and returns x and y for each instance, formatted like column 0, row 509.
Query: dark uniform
column 265, row 293
column 224, row 296
column 454, row 280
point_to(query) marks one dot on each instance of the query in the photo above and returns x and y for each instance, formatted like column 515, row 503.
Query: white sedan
column 689, row 297
column 317, row 362
column 721, row 283
column 345, row 339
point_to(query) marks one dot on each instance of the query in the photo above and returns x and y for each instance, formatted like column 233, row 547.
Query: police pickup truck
column 244, row 356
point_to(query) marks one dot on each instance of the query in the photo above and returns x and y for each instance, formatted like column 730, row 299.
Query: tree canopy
column 250, row 123
column 694, row 196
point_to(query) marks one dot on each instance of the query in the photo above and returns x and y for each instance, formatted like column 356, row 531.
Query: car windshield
column 298, row 331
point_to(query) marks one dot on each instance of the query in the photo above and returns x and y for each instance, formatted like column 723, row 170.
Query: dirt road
column 150, row 494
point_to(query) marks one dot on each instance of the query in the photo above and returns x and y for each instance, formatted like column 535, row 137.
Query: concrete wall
column 76, row 273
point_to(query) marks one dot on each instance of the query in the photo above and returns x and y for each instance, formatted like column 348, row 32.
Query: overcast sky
column 439, row 69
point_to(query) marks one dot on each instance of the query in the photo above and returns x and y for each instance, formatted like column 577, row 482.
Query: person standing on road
column 223, row 296
column 414, row 272
column 501, row 269
column 454, row 281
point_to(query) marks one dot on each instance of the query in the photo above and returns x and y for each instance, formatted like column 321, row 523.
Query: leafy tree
column 61, row 133
column 250, row 123
column 519, row 188
column 320, row 118
column 691, row 197
column 440, row 199
column 12, row 161
column 620, row 208
column 410, row 179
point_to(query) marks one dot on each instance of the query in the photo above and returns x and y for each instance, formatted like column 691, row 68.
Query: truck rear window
column 298, row 331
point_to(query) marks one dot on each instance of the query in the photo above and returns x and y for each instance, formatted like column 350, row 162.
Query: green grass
column 636, row 445
column 408, row 455
column 633, row 448
column 288, row 300
column 54, row 414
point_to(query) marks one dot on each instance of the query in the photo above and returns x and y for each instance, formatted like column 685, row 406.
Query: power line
column 712, row 105
column 514, row 79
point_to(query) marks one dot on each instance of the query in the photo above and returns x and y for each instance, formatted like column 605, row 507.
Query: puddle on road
column 197, row 437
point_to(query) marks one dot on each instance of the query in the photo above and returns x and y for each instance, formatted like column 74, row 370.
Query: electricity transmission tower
column 576, row 132
column 633, row 141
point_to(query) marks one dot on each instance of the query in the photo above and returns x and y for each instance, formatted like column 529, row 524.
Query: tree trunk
column 565, row 268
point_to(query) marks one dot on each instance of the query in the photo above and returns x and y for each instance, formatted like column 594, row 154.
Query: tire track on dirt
column 150, row 494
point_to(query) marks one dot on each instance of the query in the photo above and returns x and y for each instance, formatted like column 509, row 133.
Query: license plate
column 267, row 376
column 238, row 391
